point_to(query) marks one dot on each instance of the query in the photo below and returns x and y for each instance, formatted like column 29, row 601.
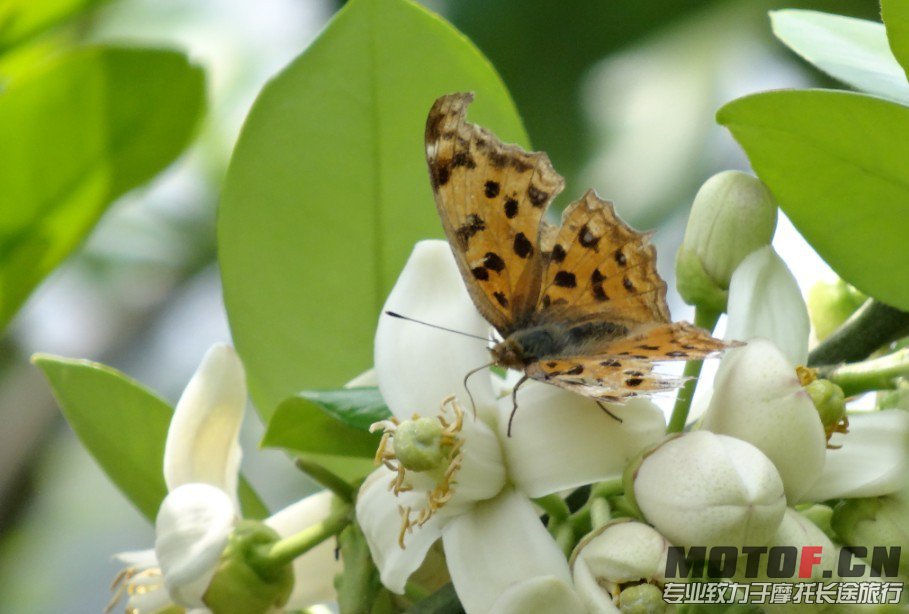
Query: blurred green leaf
column 76, row 135
column 836, row 161
column 123, row 425
column 854, row 51
column 334, row 422
column 22, row 19
column 328, row 190
column 895, row 14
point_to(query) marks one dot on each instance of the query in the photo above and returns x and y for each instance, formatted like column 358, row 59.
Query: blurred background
column 621, row 94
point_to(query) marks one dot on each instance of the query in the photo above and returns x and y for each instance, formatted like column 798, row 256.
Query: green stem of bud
column 600, row 513
column 286, row 550
column 872, row 326
column 564, row 537
column 875, row 374
column 326, row 478
column 555, row 506
column 707, row 320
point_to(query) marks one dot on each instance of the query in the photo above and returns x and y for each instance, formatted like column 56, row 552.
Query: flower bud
column 830, row 304
column 612, row 566
column 241, row 584
column 733, row 214
column 871, row 522
column 704, row 489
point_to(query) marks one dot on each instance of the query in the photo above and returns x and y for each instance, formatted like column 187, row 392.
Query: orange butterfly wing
column 491, row 198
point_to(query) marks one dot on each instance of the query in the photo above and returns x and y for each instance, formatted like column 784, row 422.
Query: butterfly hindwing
column 601, row 268
column 604, row 377
column 491, row 198
column 669, row 341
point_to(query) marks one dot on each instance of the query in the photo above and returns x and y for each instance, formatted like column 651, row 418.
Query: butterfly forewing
column 491, row 198
column 601, row 268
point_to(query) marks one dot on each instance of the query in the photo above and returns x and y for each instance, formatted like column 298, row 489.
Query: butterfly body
column 579, row 306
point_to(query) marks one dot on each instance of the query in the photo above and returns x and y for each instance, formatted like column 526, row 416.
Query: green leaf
column 332, row 422
column 23, row 19
column 895, row 14
column 854, row 51
column 328, row 191
column 124, row 426
column 76, row 135
column 836, row 161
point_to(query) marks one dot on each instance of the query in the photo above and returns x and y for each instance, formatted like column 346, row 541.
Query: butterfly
column 580, row 306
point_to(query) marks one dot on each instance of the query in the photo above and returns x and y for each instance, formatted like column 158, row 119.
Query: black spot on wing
column 610, row 362
column 558, row 253
column 480, row 273
column 491, row 189
column 462, row 158
column 501, row 298
column 565, row 279
column 511, row 208
column 677, row 354
column 634, row 381
column 522, row 245
column 537, row 196
column 469, row 228
column 587, row 239
column 493, row 262
column 620, row 257
column 628, row 285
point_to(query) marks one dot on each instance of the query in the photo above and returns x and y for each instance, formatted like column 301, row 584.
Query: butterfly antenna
column 514, row 401
column 473, row 405
column 450, row 330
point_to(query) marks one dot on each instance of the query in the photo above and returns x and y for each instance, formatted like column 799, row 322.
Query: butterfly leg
column 514, row 401
column 612, row 415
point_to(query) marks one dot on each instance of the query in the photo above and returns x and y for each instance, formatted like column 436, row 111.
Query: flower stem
column 555, row 506
column 872, row 326
column 706, row 319
column 286, row 550
column 326, row 478
column 876, row 374
column 600, row 513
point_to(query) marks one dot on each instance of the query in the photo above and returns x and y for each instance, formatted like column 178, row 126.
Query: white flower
column 757, row 397
column 475, row 494
column 201, row 469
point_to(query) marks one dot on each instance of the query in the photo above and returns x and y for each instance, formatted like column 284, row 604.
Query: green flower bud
column 242, row 584
column 829, row 400
column 733, row 214
column 642, row 599
column 871, row 522
column 820, row 516
column 418, row 444
column 831, row 304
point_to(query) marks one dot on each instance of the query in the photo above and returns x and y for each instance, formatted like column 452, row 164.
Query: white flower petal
column 594, row 596
column 540, row 594
column 314, row 572
column 378, row 515
column 482, row 472
column 498, row 544
column 367, row 378
column 417, row 366
column 798, row 531
column 191, row 532
column 561, row 440
column 202, row 441
column 765, row 302
column 872, row 460
column 140, row 559
column 757, row 398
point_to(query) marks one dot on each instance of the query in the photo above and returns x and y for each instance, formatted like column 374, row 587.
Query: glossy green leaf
column 76, row 135
column 836, row 161
column 124, row 426
column 895, row 14
column 328, row 191
column 22, row 19
column 333, row 422
column 854, row 51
